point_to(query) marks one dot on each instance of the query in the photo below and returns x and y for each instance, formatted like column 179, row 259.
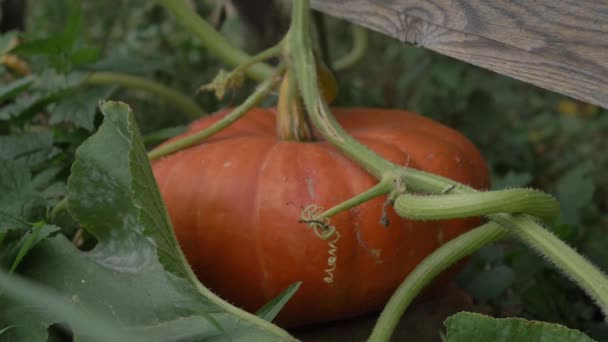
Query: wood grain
column 558, row 45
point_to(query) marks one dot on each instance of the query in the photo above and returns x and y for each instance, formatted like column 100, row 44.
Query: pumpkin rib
column 364, row 249
column 425, row 135
column 256, row 205
column 407, row 121
column 404, row 143
column 346, row 166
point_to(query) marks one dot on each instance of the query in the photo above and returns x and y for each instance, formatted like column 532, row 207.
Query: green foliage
column 271, row 309
column 111, row 178
column 135, row 277
column 575, row 190
column 469, row 327
column 79, row 111
column 135, row 281
column 19, row 196
column 28, row 292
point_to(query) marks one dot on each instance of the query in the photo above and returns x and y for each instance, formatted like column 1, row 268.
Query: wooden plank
column 558, row 45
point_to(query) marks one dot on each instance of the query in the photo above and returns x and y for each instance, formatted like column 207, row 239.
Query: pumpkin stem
column 292, row 119
column 293, row 122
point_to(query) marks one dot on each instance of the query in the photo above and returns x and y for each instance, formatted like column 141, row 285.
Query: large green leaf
column 15, row 252
column 58, row 43
column 28, row 292
column 490, row 283
column 136, row 276
column 19, row 200
column 112, row 179
column 575, row 191
column 16, row 87
column 80, row 109
column 48, row 87
column 471, row 327
column 31, row 148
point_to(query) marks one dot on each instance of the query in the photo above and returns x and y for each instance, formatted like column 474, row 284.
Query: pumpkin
column 235, row 199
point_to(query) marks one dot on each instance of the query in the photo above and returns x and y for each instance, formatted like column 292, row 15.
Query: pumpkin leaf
column 22, row 197
column 271, row 309
column 135, row 63
column 39, row 232
column 491, row 283
column 129, row 193
column 9, row 221
column 80, row 110
column 19, row 200
column 135, row 276
column 27, row 292
column 575, row 191
column 511, row 180
column 16, row 87
column 48, row 87
column 32, row 148
column 58, row 43
column 471, row 327
column 84, row 55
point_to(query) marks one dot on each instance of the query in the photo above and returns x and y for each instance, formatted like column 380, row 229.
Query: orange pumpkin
column 235, row 200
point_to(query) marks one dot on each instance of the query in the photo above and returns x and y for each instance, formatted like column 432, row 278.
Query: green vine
column 191, row 140
column 225, row 81
column 213, row 40
column 526, row 201
column 187, row 105
column 429, row 268
column 356, row 54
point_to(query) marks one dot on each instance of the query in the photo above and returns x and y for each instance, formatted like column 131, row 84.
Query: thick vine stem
column 191, row 140
column 187, row 105
column 292, row 121
column 215, row 43
column 301, row 52
column 442, row 258
column 448, row 206
column 574, row 265
column 595, row 283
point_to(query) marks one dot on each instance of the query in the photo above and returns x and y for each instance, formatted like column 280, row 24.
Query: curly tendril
column 313, row 216
column 332, row 259
column 320, row 225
